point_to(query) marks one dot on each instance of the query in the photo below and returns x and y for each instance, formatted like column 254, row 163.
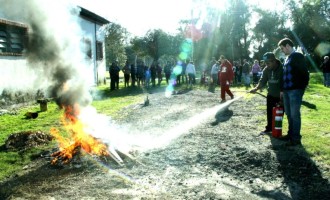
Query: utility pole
column 192, row 34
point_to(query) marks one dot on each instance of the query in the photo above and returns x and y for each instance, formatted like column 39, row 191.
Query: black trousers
column 271, row 102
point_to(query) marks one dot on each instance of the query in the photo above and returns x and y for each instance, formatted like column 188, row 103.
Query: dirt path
column 191, row 148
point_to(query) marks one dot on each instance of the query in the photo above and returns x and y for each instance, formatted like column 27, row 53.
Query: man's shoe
column 265, row 132
column 293, row 143
column 284, row 138
column 232, row 97
column 223, row 101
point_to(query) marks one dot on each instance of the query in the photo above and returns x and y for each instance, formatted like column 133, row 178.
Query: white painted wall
column 24, row 76
column 90, row 30
column 15, row 69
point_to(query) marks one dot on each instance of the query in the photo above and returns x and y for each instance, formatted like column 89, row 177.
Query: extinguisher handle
column 279, row 104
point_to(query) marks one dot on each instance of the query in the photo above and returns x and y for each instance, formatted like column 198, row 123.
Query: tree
column 269, row 29
column 311, row 26
column 233, row 41
column 157, row 44
column 115, row 41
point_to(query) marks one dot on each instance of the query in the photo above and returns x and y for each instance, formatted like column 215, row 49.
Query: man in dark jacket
column 295, row 81
column 325, row 66
column 272, row 75
column 114, row 76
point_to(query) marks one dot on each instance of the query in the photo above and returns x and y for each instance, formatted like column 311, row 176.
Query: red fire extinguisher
column 278, row 113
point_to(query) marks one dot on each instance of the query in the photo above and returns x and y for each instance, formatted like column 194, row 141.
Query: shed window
column 12, row 38
column 99, row 50
column 87, row 46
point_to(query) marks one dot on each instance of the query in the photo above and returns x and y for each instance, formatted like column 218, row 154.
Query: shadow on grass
column 222, row 115
column 299, row 172
column 309, row 105
column 104, row 93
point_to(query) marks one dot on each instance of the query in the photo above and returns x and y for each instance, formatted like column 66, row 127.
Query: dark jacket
column 114, row 71
column 246, row 68
column 326, row 67
column 295, row 72
column 274, row 78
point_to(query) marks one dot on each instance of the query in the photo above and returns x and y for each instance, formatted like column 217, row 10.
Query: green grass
column 11, row 161
column 111, row 102
column 315, row 121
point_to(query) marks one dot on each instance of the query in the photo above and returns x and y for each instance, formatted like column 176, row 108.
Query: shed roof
column 92, row 16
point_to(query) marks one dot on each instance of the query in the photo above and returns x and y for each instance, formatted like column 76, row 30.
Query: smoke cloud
column 54, row 58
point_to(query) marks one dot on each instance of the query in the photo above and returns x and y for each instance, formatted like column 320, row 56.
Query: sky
column 139, row 16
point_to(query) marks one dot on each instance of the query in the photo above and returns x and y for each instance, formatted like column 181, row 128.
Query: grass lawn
column 315, row 122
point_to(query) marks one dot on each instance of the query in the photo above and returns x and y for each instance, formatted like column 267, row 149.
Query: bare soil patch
column 213, row 152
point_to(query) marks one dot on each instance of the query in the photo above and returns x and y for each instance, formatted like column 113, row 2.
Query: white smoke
column 53, row 55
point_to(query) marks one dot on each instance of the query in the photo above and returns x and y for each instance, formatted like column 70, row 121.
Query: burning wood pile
column 79, row 139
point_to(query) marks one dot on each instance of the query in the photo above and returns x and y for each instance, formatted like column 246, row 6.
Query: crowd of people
column 243, row 72
column 151, row 76
column 285, row 81
column 141, row 75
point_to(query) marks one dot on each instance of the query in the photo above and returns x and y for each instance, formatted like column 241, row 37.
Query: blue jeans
column 246, row 78
column 292, row 104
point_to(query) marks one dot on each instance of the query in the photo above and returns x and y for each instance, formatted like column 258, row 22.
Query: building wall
column 90, row 29
column 97, row 67
column 16, row 70
column 15, row 65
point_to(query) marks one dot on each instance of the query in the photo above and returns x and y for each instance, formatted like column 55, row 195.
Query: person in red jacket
column 226, row 76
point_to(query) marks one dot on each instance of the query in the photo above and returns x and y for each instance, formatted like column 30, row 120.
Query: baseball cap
column 268, row 56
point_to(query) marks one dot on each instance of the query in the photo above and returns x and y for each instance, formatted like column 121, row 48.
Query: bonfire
column 78, row 139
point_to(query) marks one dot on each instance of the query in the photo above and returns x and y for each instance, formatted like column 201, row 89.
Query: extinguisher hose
column 259, row 94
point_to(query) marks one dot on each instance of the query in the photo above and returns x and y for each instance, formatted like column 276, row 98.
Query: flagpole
column 192, row 35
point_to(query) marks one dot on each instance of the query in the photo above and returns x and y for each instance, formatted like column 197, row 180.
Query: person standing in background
column 255, row 72
column 127, row 72
column 214, row 75
column 325, row 66
column 153, row 71
column 133, row 74
column 295, row 81
column 191, row 73
column 159, row 74
column 168, row 71
column 226, row 76
column 246, row 73
column 114, row 76
column 238, row 74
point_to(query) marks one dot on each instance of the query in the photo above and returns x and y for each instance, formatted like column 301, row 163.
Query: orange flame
column 78, row 137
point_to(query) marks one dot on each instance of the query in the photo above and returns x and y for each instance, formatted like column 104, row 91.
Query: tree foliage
column 232, row 32
column 268, row 30
column 311, row 26
column 157, row 44
column 115, row 38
